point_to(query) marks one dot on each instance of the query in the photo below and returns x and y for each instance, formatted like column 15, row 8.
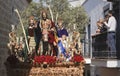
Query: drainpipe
column 111, row 6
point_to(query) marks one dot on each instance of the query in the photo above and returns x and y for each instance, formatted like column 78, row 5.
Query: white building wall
column 95, row 10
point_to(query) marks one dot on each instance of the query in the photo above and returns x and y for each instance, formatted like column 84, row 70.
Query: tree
column 72, row 16
column 32, row 10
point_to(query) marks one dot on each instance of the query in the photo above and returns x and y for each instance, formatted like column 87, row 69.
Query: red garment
column 51, row 37
column 31, row 32
column 51, row 33
column 52, row 24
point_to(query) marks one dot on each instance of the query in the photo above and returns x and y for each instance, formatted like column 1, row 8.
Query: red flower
column 47, row 59
column 77, row 58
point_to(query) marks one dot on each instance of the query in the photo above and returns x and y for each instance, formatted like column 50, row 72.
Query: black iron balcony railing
column 100, row 47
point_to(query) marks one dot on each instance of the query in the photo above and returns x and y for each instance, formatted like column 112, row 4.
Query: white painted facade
column 97, row 9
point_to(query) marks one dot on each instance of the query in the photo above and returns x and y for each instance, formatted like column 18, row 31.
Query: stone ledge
column 58, row 71
column 25, row 69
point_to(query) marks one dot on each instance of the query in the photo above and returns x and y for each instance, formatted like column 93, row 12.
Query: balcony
column 101, row 56
column 100, row 47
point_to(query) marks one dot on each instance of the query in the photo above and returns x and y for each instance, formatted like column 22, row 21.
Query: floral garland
column 41, row 59
column 77, row 58
column 52, row 59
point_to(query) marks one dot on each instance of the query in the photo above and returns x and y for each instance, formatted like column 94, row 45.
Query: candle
column 74, row 26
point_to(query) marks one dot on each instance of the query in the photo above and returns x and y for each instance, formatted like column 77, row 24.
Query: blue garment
column 62, row 32
column 111, row 42
column 62, row 49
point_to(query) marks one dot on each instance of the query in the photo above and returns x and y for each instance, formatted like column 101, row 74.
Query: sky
column 36, row 0
column 73, row 2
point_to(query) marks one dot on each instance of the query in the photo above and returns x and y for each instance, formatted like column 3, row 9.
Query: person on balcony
column 111, row 28
column 101, row 26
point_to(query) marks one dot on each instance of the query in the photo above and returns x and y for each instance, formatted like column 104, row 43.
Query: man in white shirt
column 111, row 27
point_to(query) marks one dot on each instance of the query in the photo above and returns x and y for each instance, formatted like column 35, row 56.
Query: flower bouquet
column 47, row 60
column 77, row 59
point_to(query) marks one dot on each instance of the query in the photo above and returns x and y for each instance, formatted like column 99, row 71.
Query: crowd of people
column 47, row 38
column 108, row 24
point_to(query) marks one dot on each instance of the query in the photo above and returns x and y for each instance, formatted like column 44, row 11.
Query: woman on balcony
column 101, row 26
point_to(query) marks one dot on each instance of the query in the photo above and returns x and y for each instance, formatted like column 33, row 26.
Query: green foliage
column 70, row 15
